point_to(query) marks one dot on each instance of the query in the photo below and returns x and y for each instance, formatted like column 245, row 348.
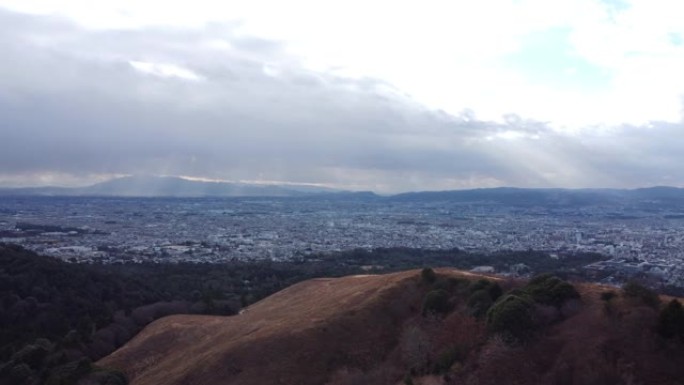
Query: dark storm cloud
column 72, row 103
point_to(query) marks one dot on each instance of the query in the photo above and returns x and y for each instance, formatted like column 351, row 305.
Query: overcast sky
column 387, row 96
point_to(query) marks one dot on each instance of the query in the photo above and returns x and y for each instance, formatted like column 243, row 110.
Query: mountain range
column 165, row 186
column 549, row 196
column 157, row 186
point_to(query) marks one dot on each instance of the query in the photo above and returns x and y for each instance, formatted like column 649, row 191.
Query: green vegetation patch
column 550, row 290
column 671, row 321
column 512, row 317
column 483, row 294
column 436, row 302
column 641, row 293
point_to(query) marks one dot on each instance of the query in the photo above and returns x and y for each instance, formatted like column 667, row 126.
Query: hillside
column 294, row 336
column 375, row 330
column 68, row 313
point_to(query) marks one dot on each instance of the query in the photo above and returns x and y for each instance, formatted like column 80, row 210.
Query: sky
column 388, row 96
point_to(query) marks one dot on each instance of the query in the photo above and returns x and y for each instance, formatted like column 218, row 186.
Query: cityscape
column 215, row 230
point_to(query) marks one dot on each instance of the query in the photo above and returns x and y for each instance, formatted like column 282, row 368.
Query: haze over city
column 382, row 96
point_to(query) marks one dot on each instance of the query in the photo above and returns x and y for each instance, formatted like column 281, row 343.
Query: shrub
column 69, row 373
column 447, row 358
column 479, row 302
column 31, row 355
column 452, row 285
column 478, row 285
column 671, row 320
column 512, row 318
column 550, row 290
column 492, row 288
column 494, row 291
column 608, row 296
column 428, row 275
column 458, row 283
column 641, row 293
column 436, row 301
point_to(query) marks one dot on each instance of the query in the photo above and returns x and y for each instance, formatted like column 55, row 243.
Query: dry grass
column 295, row 336
column 348, row 330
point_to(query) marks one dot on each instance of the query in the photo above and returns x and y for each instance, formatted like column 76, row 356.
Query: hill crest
column 369, row 329
column 287, row 321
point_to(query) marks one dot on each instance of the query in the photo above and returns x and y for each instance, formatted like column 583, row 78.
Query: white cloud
column 445, row 54
column 165, row 70
column 342, row 94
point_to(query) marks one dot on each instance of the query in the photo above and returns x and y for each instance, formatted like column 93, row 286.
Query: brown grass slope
column 369, row 330
column 296, row 336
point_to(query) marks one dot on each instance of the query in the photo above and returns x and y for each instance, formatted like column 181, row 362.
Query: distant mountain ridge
column 549, row 196
column 166, row 186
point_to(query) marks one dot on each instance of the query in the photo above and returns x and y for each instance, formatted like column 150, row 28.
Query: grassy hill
column 57, row 317
column 415, row 327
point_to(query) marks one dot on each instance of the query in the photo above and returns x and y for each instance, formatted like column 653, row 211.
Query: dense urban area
column 214, row 230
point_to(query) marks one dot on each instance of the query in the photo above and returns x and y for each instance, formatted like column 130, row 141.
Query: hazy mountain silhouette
column 156, row 186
